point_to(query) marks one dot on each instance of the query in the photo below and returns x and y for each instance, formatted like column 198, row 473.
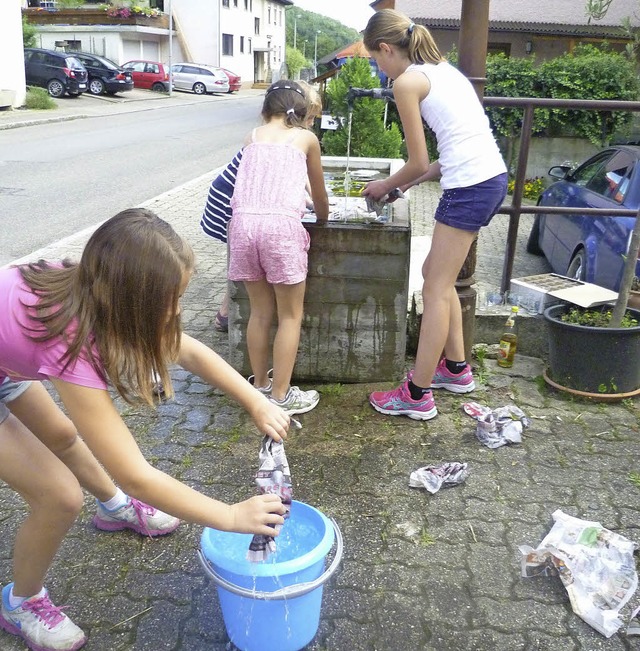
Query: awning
column 263, row 49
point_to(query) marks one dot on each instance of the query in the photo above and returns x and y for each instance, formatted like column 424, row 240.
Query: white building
column 12, row 84
column 245, row 36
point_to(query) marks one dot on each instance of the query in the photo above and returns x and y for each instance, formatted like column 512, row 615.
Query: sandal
column 221, row 323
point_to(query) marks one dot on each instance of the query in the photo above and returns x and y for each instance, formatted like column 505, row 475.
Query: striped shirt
column 217, row 211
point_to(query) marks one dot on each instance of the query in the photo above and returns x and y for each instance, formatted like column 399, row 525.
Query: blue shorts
column 10, row 390
column 473, row 207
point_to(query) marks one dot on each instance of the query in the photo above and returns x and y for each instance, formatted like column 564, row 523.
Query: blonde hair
column 392, row 27
column 286, row 98
column 314, row 101
column 118, row 306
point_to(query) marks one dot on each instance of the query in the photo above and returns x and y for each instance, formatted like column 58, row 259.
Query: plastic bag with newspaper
column 274, row 477
column 595, row 565
column 497, row 427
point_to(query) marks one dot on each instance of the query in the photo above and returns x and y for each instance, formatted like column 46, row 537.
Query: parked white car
column 199, row 78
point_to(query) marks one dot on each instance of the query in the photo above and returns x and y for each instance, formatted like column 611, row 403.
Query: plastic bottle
column 508, row 341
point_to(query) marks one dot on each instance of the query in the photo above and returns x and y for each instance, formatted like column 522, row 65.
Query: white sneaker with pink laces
column 43, row 626
column 138, row 516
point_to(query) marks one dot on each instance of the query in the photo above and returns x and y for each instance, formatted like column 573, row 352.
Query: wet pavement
column 420, row 572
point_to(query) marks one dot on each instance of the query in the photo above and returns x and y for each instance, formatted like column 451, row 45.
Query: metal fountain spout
column 375, row 93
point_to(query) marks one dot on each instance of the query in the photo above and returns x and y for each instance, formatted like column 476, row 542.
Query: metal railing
column 515, row 209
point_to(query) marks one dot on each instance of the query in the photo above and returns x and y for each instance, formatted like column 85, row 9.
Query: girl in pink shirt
column 111, row 319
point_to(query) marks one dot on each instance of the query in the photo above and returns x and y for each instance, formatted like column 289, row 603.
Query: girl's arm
column 432, row 174
column 204, row 362
column 98, row 422
column 409, row 89
column 316, row 180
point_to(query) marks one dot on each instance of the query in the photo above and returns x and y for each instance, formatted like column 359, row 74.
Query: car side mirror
column 559, row 171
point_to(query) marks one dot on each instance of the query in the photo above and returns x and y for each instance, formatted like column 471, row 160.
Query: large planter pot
column 594, row 362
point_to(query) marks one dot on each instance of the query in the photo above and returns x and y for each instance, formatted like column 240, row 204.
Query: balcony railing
column 91, row 16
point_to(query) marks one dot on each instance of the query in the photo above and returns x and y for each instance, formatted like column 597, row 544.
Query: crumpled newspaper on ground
column 595, row 565
column 444, row 475
column 273, row 476
column 497, row 427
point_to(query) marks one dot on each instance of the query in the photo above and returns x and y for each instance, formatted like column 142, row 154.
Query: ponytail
column 392, row 27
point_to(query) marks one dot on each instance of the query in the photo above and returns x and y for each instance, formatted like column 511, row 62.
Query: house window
column 279, row 52
column 74, row 46
column 235, row 3
column 242, row 44
column 250, row 50
column 225, row 3
column 280, row 17
column 246, row 5
column 256, row 25
column 499, row 48
column 269, row 15
column 227, row 45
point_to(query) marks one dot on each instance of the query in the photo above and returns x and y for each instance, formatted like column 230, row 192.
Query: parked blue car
column 588, row 248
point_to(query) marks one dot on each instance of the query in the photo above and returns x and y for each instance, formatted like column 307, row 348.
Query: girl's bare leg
column 442, row 318
column 39, row 413
column 263, row 306
column 290, row 302
column 54, row 498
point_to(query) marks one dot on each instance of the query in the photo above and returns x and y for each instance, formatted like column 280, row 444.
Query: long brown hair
column 117, row 307
column 285, row 97
column 392, row 27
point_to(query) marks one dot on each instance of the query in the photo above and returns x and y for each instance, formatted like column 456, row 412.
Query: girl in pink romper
column 267, row 242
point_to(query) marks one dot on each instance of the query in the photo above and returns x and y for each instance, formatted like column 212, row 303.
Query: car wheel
column 578, row 266
column 158, row 87
column 199, row 88
column 96, row 86
column 55, row 88
column 533, row 243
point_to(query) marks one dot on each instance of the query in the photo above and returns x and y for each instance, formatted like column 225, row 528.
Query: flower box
column 91, row 16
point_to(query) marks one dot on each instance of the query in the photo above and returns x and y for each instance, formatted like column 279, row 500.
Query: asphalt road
column 61, row 177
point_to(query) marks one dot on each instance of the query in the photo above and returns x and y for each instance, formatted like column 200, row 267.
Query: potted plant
column 596, row 353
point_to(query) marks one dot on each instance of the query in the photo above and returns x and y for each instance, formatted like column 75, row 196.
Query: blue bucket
column 273, row 605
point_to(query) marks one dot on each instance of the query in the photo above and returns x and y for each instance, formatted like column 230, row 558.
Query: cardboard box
column 536, row 293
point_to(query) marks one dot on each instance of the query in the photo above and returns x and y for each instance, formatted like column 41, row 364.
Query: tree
column 295, row 61
column 28, row 33
column 369, row 137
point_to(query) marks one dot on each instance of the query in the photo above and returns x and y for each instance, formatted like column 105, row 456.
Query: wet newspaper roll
column 273, row 477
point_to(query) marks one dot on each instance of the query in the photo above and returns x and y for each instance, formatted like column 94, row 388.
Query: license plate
column 82, row 85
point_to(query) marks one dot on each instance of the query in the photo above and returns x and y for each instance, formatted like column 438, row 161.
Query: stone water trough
column 355, row 313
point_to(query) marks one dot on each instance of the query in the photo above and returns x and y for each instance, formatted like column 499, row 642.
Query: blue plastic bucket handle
column 296, row 590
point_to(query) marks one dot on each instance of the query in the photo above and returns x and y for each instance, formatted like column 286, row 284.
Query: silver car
column 199, row 78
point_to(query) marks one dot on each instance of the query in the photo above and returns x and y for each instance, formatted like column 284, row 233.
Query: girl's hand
column 270, row 419
column 256, row 514
column 375, row 189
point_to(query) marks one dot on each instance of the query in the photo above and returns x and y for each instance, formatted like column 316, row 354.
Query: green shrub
column 38, row 98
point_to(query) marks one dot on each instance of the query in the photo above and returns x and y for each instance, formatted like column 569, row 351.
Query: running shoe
column 398, row 402
column 443, row 378
column 43, row 626
column 264, row 390
column 135, row 515
column 297, row 401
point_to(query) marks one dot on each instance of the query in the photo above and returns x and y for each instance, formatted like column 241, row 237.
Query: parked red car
column 235, row 82
column 148, row 74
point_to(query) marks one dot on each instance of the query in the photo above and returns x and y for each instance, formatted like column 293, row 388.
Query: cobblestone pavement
column 420, row 572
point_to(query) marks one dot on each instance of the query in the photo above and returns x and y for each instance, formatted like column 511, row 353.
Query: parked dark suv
column 105, row 76
column 58, row 72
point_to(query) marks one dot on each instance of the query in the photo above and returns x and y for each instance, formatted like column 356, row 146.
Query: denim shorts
column 10, row 390
column 473, row 207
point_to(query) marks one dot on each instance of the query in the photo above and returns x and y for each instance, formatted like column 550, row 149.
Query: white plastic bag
column 596, row 567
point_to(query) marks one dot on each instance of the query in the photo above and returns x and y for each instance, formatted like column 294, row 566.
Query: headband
column 286, row 87
column 410, row 28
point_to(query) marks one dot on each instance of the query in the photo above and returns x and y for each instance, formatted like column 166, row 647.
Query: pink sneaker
column 398, row 402
column 456, row 383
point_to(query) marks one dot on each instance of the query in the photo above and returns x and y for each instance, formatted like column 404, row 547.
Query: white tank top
column 468, row 152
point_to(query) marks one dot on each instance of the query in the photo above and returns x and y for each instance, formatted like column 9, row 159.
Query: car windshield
column 110, row 65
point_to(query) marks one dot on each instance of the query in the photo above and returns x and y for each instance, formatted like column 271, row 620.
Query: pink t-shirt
column 22, row 358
